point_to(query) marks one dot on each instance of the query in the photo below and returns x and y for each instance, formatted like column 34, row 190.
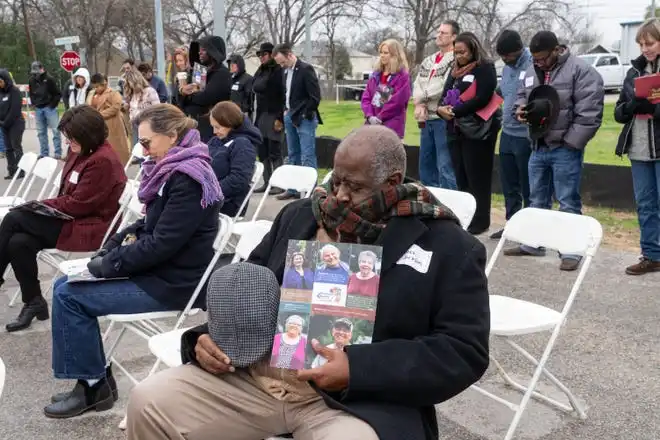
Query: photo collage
column 329, row 293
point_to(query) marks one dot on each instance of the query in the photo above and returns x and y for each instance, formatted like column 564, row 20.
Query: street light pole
column 160, row 39
column 219, row 27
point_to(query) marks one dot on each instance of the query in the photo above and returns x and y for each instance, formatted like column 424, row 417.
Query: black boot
column 268, row 171
column 36, row 308
column 82, row 399
column 275, row 191
column 59, row 397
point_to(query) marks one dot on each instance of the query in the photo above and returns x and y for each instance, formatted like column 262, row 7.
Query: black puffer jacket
column 624, row 112
column 241, row 89
column 10, row 102
column 218, row 84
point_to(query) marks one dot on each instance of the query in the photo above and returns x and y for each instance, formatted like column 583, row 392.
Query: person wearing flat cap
column 555, row 165
column 430, row 338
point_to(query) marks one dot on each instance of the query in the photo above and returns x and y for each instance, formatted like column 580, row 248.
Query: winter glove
column 94, row 267
column 643, row 106
column 374, row 120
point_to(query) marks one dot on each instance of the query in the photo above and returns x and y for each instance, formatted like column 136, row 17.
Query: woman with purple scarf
column 152, row 265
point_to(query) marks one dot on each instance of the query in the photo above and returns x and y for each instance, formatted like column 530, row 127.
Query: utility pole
column 219, row 25
column 160, row 39
column 28, row 37
column 308, row 32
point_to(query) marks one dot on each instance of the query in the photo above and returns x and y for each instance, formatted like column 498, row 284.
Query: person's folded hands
column 333, row 375
column 95, row 267
column 643, row 106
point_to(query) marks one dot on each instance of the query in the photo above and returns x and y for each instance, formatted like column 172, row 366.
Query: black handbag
column 473, row 127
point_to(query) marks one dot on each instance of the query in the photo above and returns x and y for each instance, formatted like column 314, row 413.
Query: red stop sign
column 70, row 60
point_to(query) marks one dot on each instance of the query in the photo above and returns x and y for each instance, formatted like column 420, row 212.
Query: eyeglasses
column 145, row 142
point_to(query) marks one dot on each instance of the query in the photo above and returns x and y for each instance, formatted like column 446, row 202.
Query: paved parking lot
column 608, row 354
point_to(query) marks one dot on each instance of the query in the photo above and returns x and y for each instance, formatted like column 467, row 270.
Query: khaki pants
column 188, row 403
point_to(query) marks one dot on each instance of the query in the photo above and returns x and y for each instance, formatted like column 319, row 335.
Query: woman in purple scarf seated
column 152, row 265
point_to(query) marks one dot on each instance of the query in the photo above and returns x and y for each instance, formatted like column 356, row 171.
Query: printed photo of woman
column 365, row 282
column 289, row 346
column 298, row 275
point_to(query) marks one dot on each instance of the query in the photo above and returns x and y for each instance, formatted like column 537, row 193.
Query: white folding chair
column 55, row 189
column 44, row 169
column 462, row 204
column 143, row 325
column 511, row 317
column 256, row 178
column 167, row 346
column 26, row 164
column 2, row 375
column 295, row 177
column 327, row 178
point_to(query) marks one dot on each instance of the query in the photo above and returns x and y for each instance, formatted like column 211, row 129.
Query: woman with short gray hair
column 365, row 282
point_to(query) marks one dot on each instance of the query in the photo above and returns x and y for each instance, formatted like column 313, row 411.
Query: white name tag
column 529, row 81
column 160, row 191
column 468, row 78
column 234, row 87
column 73, row 177
column 522, row 75
column 417, row 258
column 6, row 98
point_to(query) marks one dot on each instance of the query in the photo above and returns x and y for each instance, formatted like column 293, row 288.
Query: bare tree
column 370, row 41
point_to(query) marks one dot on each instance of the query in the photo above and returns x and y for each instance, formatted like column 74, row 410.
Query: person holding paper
column 430, row 339
column 470, row 105
column 385, row 100
column 93, row 179
column 640, row 140
column 555, row 165
column 152, row 265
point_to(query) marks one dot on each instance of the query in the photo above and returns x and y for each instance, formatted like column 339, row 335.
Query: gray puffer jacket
column 581, row 100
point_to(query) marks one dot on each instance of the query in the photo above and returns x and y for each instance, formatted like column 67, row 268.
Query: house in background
column 628, row 47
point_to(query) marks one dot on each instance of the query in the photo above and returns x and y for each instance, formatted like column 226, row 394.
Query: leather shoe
column 83, row 398
column 275, row 191
column 288, row 196
column 37, row 308
column 111, row 381
column 261, row 189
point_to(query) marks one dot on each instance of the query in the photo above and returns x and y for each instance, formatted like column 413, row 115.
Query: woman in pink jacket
column 385, row 100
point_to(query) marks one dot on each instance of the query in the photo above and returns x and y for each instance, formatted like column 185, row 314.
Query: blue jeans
column 646, row 181
column 560, row 171
column 2, row 142
column 48, row 118
column 301, row 142
column 435, row 165
column 514, row 173
column 77, row 342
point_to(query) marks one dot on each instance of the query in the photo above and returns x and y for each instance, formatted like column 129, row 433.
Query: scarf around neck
column 190, row 157
column 364, row 222
column 457, row 72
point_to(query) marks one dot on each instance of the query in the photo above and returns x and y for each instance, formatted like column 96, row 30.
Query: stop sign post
column 70, row 60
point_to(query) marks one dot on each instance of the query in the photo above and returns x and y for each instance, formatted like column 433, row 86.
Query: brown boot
column 643, row 267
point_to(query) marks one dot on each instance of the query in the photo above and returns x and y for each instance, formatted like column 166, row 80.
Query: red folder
column 648, row 87
column 487, row 112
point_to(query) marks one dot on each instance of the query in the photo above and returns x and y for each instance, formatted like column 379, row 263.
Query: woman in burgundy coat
column 93, row 179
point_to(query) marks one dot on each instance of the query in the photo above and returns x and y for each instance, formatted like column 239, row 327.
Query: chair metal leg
column 14, row 298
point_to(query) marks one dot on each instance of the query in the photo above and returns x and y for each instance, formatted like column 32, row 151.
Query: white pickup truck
column 610, row 68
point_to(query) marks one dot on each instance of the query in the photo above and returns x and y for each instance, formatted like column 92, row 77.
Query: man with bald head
column 430, row 339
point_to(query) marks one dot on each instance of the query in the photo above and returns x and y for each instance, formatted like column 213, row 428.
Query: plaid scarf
column 364, row 222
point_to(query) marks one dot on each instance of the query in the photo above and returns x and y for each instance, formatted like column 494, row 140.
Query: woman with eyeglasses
column 92, row 181
column 150, row 266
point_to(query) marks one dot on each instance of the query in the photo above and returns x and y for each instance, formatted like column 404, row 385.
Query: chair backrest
column 124, row 200
column 462, row 204
column 249, row 240
column 54, row 191
column 26, row 164
column 327, row 178
column 44, row 169
column 225, row 224
column 3, row 372
column 136, row 153
column 295, row 177
column 570, row 234
column 256, row 177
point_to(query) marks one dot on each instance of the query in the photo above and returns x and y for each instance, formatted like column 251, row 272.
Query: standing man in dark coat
column 241, row 88
column 197, row 103
column 270, row 92
column 45, row 97
column 12, row 123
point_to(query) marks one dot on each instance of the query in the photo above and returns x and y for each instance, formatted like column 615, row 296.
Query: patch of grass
column 340, row 119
